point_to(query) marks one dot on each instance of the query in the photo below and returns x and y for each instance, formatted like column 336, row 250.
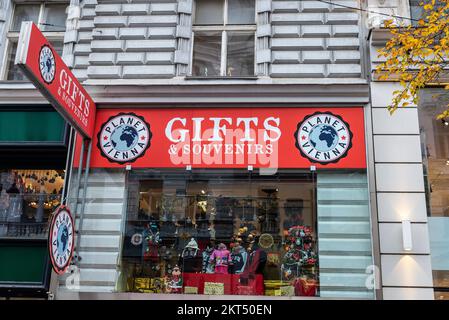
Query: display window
column 27, row 198
column 435, row 154
column 237, row 232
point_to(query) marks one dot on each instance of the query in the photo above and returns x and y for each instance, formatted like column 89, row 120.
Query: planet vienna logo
column 47, row 64
column 323, row 138
column 61, row 239
column 124, row 138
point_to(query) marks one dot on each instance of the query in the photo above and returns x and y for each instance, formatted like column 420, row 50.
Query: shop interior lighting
column 407, row 235
column 445, row 122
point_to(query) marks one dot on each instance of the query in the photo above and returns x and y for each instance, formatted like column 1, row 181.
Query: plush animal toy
column 175, row 283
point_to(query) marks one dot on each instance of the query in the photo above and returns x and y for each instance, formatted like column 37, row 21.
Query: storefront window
column 236, row 232
column 27, row 198
column 435, row 150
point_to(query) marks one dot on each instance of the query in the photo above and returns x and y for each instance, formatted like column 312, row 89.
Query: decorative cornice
column 344, row 94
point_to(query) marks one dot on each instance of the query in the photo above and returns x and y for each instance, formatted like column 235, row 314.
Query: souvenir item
column 151, row 243
column 305, row 287
column 273, row 259
column 266, row 241
column 300, row 258
column 208, row 265
column 190, row 290
column 256, row 260
column 175, row 283
column 238, row 257
column 191, row 257
column 213, row 288
column 222, row 258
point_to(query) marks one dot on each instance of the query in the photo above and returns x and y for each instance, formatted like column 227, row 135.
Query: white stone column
column 406, row 274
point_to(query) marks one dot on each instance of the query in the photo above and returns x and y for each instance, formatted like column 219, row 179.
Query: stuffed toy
column 174, row 285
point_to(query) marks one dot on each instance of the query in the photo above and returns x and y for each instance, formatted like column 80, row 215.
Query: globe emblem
column 124, row 138
column 61, row 240
column 323, row 137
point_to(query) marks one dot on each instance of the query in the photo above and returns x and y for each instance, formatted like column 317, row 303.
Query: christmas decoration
column 174, row 284
column 300, row 259
column 151, row 243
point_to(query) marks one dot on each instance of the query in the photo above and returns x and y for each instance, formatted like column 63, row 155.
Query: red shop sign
column 48, row 72
column 230, row 138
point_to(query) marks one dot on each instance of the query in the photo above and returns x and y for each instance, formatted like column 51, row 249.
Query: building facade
column 34, row 143
column 241, row 148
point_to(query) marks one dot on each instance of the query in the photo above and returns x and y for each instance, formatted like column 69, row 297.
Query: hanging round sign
column 61, row 239
column 47, row 64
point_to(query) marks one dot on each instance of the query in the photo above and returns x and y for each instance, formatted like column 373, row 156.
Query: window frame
column 224, row 28
column 13, row 36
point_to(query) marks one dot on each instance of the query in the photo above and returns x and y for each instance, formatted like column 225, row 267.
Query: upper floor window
column 49, row 17
column 224, row 33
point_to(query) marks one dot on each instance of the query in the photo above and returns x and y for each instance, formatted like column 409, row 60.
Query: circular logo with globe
column 61, row 239
column 124, row 138
column 323, row 137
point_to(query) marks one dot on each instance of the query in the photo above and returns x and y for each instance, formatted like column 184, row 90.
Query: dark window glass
column 241, row 11
column 435, row 150
column 24, row 12
column 240, row 58
column 20, row 126
column 14, row 72
column 209, row 12
column 206, row 54
column 54, row 17
column 27, row 199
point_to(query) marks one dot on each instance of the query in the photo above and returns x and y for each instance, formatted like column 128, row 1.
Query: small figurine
column 175, row 283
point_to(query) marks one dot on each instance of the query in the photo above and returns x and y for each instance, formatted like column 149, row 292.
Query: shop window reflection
column 435, row 152
column 221, row 233
column 27, row 198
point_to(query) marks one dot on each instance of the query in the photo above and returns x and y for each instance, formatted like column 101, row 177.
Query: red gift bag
column 306, row 287
column 243, row 285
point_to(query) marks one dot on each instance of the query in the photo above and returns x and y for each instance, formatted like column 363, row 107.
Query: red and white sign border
column 52, row 233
